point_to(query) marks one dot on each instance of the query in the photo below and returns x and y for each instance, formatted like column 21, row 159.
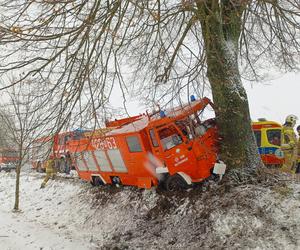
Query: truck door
column 175, row 153
column 156, row 149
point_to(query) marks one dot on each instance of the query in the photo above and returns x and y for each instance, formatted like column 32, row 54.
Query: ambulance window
column 169, row 137
column 133, row 144
column 274, row 137
column 257, row 135
column 153, row 138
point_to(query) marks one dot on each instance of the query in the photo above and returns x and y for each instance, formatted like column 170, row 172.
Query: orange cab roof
column 132, row 127
column 265, row 124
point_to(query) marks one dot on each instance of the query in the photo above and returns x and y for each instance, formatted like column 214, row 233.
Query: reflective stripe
column 267, row 150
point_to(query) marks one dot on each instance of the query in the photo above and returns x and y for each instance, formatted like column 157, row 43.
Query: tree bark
column 221, row 26
column 17, row 192
column 18, row 173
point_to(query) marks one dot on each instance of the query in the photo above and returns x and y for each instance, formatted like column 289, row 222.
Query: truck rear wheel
column 96, row 181
column 175, row 183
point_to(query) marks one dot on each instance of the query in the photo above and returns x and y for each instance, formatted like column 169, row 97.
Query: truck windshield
column 169, row 137
column 274, row 136
column 186, row 127
column 197, row 123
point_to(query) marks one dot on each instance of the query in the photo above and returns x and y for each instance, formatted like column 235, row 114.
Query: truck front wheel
column 175, row 183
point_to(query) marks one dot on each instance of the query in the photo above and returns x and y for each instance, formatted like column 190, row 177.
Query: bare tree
column 23, row 125
column 77, row 51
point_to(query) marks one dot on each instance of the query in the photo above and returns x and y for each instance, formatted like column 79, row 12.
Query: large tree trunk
column 238, row 147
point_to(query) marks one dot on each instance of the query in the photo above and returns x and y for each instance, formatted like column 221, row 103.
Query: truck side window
column 77, row 136
column 153, row 138
column 169, row 137
column 133, row 144
column 67, row 138
column 257, row 135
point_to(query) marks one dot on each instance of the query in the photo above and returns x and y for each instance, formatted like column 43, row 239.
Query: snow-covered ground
column 70, row 214
column 42, row 222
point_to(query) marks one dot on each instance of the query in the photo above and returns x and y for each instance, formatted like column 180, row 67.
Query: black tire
column 96, row 181
column 175, row 183
column 116, row 181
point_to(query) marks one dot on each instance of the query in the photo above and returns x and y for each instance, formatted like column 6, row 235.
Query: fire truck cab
column 176, row 147
column 56, row 145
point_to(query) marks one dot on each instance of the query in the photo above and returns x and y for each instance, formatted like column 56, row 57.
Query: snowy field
column 70, row 214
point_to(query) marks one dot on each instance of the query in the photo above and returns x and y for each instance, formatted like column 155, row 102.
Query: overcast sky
column 272, row 99
column 275, row 99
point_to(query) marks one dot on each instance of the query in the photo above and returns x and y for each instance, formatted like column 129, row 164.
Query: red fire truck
column 176, row 147
column 8, row 159
column 56, row 145
column 8, row 155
